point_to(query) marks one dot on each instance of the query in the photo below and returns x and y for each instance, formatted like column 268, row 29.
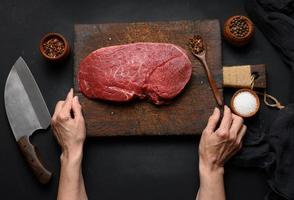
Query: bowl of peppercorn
column 54, row 47
column 238, row 30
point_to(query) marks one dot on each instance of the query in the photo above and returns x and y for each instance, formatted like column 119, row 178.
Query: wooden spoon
column 198, row 49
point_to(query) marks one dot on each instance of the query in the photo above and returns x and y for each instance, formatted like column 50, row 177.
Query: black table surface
column 143, row 168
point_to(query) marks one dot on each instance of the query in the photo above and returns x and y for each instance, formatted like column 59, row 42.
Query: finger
column 226, row 121
column 212, row 121
column 68, row 104
column 57, row 109
column 230, row 155
column 237, row 124
column 76, row 107
column 234, row 151
column 58, row 106
column 241, row 134
column 236, row 146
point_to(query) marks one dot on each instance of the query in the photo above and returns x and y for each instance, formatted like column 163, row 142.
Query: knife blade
column 26, row 112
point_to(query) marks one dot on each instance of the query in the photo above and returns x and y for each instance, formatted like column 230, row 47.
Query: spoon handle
column 212, row 84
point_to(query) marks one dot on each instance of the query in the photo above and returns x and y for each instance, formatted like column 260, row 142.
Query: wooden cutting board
column 186, row 115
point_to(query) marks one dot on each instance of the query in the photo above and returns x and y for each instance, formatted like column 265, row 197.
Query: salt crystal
column 245, row 103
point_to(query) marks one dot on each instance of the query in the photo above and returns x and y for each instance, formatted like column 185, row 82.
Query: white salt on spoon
column 245, row 103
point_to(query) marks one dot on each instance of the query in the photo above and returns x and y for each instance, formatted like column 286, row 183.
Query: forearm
column 71, row 183
column 211, row 184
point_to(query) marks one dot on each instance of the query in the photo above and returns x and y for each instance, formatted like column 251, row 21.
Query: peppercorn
column 238, row 30
column 196, row 44
column 239, row 27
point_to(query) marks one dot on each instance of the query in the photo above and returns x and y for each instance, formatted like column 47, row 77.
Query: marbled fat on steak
column 120, row 73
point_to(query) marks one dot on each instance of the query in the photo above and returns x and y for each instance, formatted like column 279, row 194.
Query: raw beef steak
column 120, row 73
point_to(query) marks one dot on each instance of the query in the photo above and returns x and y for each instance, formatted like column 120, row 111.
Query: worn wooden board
column 186, row 115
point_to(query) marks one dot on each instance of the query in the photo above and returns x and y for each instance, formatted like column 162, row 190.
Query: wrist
column 210, row 176
column 211, row 181
column 73, row 155
column 210, row 170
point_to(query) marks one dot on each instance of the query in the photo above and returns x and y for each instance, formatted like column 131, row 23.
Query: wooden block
column 240, row 76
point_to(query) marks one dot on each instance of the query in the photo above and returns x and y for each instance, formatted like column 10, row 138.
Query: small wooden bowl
column 257, row 102
column 237, row 40
column 60, row 57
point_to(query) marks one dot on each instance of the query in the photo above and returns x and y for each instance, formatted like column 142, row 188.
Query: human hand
column 217, row 145
column 69, row 126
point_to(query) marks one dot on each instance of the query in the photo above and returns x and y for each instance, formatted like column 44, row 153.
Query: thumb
column 212, row 121
column 67, row 103
column 76, row 108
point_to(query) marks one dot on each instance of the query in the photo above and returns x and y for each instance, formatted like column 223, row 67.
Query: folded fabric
column 275, row 19
column 271, row 147
column 272, row 150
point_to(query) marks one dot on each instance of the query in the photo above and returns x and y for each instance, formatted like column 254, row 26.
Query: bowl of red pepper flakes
column 54, row 47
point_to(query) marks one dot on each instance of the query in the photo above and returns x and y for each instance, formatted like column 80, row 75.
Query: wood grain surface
column 260, row 72
column 186, row 115
column 30, row 154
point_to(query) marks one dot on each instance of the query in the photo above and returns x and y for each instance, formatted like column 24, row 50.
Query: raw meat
column 120, row 73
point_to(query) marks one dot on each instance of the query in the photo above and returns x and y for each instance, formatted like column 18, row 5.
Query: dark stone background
column 156, row 168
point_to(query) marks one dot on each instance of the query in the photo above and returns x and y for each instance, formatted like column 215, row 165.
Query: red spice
column 53, row 47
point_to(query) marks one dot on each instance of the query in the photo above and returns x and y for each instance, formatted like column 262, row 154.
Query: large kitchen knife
column 26, row 112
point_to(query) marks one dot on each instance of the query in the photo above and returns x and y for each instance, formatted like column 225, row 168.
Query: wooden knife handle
column 29, row 152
